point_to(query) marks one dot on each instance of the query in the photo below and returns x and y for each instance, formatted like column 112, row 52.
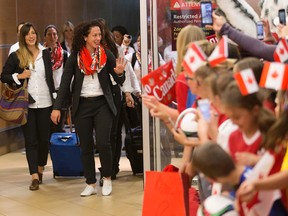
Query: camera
column 206, row 13
column 260, row 30
column 204, row 107
column 282, row 16
column 129, row 37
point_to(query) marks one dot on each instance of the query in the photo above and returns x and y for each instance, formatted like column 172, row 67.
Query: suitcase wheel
column 55, row 174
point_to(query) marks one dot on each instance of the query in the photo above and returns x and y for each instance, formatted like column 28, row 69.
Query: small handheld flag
column 246, row 81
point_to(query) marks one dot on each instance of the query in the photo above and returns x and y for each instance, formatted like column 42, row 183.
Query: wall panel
column 40, row 13
column 7, row 21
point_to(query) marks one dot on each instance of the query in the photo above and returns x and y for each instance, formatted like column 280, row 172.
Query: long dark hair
column 107, row 37
column 278, row 132
column 82, row 30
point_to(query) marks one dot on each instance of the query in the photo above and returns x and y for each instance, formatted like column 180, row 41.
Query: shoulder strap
column 65, row 57
column 134, row 58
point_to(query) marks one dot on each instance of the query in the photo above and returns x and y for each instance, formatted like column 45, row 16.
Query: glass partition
column 161, row 22
column 156, row 37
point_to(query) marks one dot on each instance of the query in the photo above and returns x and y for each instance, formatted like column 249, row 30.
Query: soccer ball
column 186, row 121
column 217, row 205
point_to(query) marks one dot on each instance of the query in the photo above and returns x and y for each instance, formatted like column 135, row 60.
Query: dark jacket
column 72, row 70
column 12, row 66
column 63, row 45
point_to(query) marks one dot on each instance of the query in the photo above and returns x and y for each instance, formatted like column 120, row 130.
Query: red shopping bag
column 166, row 194
column 161, row 83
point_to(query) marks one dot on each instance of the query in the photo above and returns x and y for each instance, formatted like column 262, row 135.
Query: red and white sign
column 183, row 5
column 274, row 76
column 193, row 58
column 161, row 83
column 246, row 81
column 185, row 13
column 281, row 52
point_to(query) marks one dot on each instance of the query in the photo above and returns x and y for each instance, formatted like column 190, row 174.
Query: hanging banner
column 184, row 13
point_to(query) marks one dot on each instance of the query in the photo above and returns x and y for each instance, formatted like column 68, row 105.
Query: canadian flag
column 246, row 81
column 281, row 51
column 274, row 76
column 220, row 52
column 193, row 58
column 262, row 202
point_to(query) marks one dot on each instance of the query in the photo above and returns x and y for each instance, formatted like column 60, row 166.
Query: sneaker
column 88, row 191
column 107, row 187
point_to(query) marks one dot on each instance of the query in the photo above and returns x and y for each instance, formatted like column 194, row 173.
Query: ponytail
column 277, row 132
column 266, row 118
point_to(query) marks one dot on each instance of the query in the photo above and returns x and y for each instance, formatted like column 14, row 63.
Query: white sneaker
column 88, row 191
column 107, row 187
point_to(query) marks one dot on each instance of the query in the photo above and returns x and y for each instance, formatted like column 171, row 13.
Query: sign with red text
column 161, row 83
column 184, row 13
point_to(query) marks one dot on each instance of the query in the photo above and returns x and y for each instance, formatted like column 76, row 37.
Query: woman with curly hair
column 90, row 65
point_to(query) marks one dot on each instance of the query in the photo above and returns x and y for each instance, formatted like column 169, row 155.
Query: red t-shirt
column 182, row 89
column 276, row 168
column 239, row 143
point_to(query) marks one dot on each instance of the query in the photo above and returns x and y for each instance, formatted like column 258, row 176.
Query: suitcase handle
column 64, row 138
column 67, row 137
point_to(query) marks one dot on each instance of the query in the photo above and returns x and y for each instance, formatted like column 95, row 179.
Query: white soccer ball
column 217, row 205
column 186, row 121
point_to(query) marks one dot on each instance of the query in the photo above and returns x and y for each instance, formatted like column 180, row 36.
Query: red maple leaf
column 250, row 80
column 281, row 51
column 274, row 75
column 192, row 59
column 151, row 82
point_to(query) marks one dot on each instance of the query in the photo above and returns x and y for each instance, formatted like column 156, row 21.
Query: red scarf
column 57, row 57
column 91, row 64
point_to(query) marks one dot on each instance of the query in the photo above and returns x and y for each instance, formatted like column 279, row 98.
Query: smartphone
column 206, row 13
column 204, row 107
column 260, row 30
column 282, row 16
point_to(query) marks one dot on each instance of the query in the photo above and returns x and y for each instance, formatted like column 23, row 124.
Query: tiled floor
column 61, row 196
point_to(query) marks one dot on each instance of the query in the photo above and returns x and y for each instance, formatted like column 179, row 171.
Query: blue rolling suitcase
column 65, row 155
